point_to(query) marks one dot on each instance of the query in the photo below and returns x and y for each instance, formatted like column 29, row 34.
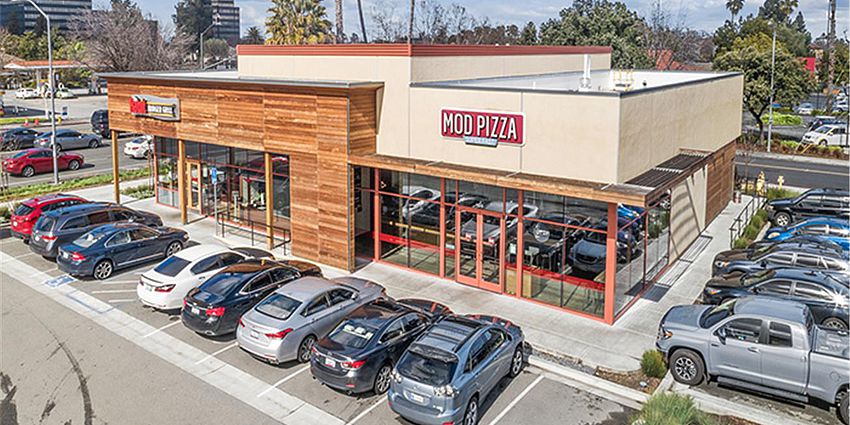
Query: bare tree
column 410, row 19
column 670, row 42
column 388, row 25
column 340, row 29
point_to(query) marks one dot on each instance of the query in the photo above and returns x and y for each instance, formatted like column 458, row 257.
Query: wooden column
column 116, row 183
column 181, row 181
column 611, row 264
column 267, row 159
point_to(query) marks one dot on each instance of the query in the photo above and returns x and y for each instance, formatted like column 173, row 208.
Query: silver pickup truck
column 759, row 344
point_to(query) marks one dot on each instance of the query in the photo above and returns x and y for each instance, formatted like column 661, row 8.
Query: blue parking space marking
column 58, row 281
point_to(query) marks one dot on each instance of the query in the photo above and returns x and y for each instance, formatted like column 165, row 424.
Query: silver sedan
column 68, row 139
column 285, row 325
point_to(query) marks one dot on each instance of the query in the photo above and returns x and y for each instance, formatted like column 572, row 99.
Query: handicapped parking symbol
column 58, row 281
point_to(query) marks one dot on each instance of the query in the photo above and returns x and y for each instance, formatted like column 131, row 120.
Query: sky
column 698, row 14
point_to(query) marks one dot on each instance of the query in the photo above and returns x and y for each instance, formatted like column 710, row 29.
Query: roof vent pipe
column 584, row 83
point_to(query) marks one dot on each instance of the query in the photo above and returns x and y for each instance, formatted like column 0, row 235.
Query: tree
column 297, row 22
column 841, row 67
column 192, row 17
column 751, row 56
column 340, row 29
column 777, row 10
column 529, row 34
column 669, row 41
column 604, row 23
column 362, row 22
column 13, row 21
column 216, row 49
column 254, row 36
column 795, row 41
column 734, row 7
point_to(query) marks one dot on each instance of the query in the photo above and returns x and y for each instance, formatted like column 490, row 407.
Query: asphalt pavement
column 796, row 172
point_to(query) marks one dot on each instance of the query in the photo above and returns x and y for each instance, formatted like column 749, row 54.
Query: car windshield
column 597, row 237
column 712, row 316
column 45, row 224
column 352, row 334
column 823, row 129
column 758, row 277
column 23, row 210
column 171, row 266
column 224, row 283
column 91, row 238
column 278, row 306
column 426, row 369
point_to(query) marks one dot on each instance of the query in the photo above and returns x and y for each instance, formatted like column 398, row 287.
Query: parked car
column 429, row 215
column 834, row 229
column 818, row 241
column 840, row 106
column 100, row 122
column 26, row 93
column 287, row 323
column 165, row 286
column 824, row 294
column 492, row 225
column 811, row 203
column 421, row 196
column 805, row 257
column 359, row 354
column 64, row 94
column 29, row 162
column 68, row 139
column 448, row 372
column 62, row 226
column 826, row 135
column 545, row 243
column 429, row 308
column 18, row 138
column 139, row 148
column 214, row 308
column 588, row 254
column 803, row 243
column 759, row 344
column 115, row 246
column 28, row 212
column 805, row 108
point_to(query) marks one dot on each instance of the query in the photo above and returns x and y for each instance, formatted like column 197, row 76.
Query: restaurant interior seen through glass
column 469, row 232
column 239, row 192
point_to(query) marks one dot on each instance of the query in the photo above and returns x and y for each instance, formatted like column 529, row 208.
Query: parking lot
column 285, row 393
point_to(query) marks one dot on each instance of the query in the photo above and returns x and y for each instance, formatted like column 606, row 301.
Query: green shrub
column 652, row 364
column 139, row 192
column 757, row 222
column 777, row 193
column 762, row 214
column 741, row 243
column 783, row 119
column 30, row 190
column 5, row 213
column 751, row 231
column 671, row 409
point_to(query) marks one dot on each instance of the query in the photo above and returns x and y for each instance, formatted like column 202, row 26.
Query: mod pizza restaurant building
column 537, row 172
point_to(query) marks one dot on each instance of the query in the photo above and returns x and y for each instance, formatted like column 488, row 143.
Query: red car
column 38, row 160
column 28, row 212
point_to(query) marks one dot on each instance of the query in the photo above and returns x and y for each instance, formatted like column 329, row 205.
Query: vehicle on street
column 761, row 344
column 214, row 308
column 811, row 203
column 26, row 93
column 840, row 106
column 588, row 254
column 359, row 354
column 64, row 94
column 18, row 138
column 100, row 122
column 804, row 257
column 821, row 120
column 824, row 294
column 805, row 108
column 165, row 286
column 834, row 229
column 105, row 249
column 28, row 212
column 491, row 226
column 285, row 325
column 139, row 148
column 30, row 162
column 63, row 226
column 826, row 135
column 68, row 139
column 817, row 241
column 448, row 372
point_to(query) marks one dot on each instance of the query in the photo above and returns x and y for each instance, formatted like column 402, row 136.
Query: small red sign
column 500, row 126
column 138, row 106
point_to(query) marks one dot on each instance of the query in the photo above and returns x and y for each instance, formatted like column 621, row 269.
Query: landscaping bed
column 791, row 147
column 635, row 380
column 28, row 191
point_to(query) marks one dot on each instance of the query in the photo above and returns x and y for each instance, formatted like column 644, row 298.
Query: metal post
column 772, row 65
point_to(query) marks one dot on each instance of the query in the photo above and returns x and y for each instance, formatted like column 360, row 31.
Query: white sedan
column 165, row 285
column 138, row 148
column 26, row 93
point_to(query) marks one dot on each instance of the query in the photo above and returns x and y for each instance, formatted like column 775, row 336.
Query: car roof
column 49, row 198
column 802, row 249
column 252, row 266
column 197, row 252
column 451, row 333
column 773, row 308
column 306, row 288
column 379, row 312
column 820, row 220
column 828, row 190
column 80, row 208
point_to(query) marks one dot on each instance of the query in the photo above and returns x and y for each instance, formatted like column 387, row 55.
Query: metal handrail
column 258, row 231
column 750, row 209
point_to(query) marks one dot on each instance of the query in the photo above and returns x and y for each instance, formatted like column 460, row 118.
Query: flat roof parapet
column 413, row 50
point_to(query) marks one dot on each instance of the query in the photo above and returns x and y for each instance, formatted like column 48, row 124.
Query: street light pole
column 214, row 23
column 770, row 114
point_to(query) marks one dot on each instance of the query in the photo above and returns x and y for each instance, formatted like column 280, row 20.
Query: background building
column 19, row 17
column 228, row 27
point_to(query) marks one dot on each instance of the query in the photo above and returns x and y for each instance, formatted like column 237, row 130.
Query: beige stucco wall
column 571, row 136
column 687, row 212
column 441, row 68
column 654, row 126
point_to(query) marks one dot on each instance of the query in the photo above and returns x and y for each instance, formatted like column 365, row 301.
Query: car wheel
column 843, row 413
column 470, row 417
column 516, row 363
column 103, row 269
column 173, row 247
column 94, row 144
column 305, row 348
column 58, row 147
column 834, row 323
column 382, row 379
column 782, row 219
column 822, row 143
column 74, row 165
column 687, row 367
column 28, row 171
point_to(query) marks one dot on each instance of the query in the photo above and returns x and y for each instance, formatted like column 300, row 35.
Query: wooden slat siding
column 362, row 122
column 290, row 122
column 720, row 181
column 304, row 208
column 240, row 117
column 332, row 137
column 198, row 115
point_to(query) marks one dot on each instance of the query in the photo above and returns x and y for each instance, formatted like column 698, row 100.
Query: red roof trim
column 412, row 50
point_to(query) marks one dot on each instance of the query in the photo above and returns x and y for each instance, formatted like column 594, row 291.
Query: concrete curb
column 719, row 406
column 796, row 158
column 594, row 384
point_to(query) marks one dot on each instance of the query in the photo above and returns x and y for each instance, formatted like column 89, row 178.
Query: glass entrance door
column 479, row 259
column 194, row 186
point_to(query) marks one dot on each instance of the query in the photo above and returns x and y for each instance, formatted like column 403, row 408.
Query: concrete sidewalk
column 554, row 334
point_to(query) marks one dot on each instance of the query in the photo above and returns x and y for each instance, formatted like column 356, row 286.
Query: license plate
column 255, row 335
column 195, row 310
column 417, row 398
column 330, row 362
column 149, row 288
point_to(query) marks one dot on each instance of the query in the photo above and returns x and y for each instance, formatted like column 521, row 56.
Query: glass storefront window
column 394, row 231
column 364, row 222
column 166, row 180
column 631, row 254
column 658, row 237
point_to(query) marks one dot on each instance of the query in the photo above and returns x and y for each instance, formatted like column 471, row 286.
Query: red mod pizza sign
column 476, row 127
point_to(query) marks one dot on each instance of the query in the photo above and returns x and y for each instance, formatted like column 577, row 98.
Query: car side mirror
column 721, row 335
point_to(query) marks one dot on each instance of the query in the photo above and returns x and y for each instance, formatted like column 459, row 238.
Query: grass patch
column 139, row 192
column 36, row 189
column 652, row 364
column 783, row 119
column 671, row 409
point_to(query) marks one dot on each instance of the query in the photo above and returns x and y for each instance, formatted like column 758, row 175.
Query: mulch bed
column 630, row 379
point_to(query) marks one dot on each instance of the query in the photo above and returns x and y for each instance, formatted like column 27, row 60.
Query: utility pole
column 340, row 31
column 772, row 65
column 830, row 49
column 410, row 22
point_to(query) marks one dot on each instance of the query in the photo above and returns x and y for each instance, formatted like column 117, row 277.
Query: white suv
column 827, row 135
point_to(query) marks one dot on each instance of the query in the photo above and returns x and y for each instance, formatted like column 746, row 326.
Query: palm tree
column 297, row 22
column 362, row 23
column 340, row 31
column 734, row 7
column 254, row 36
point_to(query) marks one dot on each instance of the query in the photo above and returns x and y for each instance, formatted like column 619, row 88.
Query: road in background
column 796, row 173
column 79, row 108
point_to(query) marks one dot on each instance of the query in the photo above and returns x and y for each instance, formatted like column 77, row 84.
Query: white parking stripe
column 120, row 282
column 516, row 400
column 176, row 322
column 366, row 412
column 209, row 356
column 113, row 291
column 286, row 378
column 122, row 300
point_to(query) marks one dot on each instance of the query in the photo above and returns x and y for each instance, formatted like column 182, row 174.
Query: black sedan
column 114, row 246
column 816, row 241
column 826, row 295
column 215, row 307
column 17, row 138
column 739, row 262
column 359, row 354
